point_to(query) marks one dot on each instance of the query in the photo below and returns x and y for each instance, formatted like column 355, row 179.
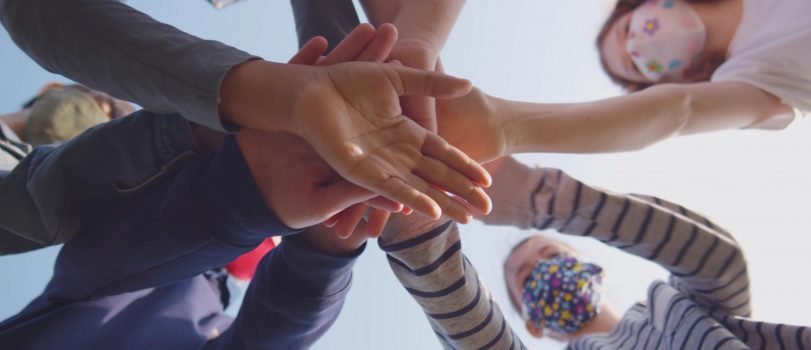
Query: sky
column 754, row 183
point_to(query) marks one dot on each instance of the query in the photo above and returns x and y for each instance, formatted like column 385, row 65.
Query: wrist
column 508, row 124
column 415, row 53
column 260, row 94
column 325, row 241
column 514, row 185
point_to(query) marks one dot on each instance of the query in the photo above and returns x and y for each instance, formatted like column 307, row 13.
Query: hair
column 700, row 70
column 118, row 108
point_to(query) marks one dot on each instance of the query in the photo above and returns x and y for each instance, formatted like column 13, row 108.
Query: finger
column 331, row 221
column 441, row 176
column 349, row 219
column 377, row 221
column 400, row 191
column 407, row 211
column 414, row 82
column 381, row 45
column 341, row 195
column 439, row 149
column 310, row 52
column 421, row 110
column 352, row 45
column 450, row 206
column 384, row 204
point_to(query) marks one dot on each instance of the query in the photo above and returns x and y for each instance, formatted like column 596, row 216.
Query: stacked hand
column 349, row 114
column 473, row 123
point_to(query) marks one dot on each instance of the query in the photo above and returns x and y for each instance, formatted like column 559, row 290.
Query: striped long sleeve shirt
column 706, row 302
column 441, row 279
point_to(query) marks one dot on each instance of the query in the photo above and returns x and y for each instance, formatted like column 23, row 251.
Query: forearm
column 293, row 299
column 624, row 123
column 111, row 47
column 704, row 258
column 382, row 11
column 428, row 261
column 424, row 23
column 638, row 120
column 186, row 221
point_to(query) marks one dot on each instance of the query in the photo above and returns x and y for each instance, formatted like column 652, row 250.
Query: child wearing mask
column 692, row 66
column 705, row 303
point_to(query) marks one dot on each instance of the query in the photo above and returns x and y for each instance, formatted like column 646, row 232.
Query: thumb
column 415, row 82
column 341, row 195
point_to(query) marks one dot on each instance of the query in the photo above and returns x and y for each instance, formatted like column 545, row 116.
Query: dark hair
column 701, row 70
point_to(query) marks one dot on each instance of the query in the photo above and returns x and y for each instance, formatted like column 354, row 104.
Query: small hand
column 371, row 144
column 473, row 124
column 296, row 183
column 350, row 114
column 417, row 54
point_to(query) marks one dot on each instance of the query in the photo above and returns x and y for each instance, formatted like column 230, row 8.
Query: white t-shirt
column 772, row 51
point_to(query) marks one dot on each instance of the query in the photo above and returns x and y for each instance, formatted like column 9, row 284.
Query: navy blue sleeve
column 293, row 299
column 205, row 215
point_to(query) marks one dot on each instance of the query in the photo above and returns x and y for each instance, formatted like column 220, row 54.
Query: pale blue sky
column 754, row 183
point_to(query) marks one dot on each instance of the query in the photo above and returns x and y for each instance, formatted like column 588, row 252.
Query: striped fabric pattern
column 440, row 278
column 706, row 303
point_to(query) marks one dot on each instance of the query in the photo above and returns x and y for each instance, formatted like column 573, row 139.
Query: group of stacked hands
column 232, row 149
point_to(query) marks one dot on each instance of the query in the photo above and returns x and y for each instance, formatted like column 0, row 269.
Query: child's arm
column 427, row 258
column 423, row 26
column 638, row 120
column 296, row 295
column 623, row 123
column 703, row 259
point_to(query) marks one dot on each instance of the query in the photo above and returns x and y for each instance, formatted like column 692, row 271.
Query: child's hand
column 417, row 54
column 473, row 124
column 350, row 114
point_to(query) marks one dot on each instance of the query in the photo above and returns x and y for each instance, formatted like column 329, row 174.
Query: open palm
column 368, row 141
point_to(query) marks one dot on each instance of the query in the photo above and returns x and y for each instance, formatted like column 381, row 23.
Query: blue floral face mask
column 563, row 293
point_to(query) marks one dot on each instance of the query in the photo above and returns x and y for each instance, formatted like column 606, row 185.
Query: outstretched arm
column 111, row 47
column 704, row 260
column 426, row 256
column 122, row 51
column 638, row 120
column 294, row 298
column 625, row 123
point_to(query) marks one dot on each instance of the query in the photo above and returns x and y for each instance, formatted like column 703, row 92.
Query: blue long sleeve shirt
column 143, row 235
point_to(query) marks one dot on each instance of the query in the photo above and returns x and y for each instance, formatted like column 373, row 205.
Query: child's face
column 523, row 259
column 616, row 57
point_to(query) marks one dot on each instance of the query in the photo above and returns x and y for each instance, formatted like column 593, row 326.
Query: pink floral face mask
column 664, row 38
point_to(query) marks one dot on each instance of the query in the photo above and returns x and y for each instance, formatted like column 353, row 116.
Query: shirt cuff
column 512, row 192
column 324, row 276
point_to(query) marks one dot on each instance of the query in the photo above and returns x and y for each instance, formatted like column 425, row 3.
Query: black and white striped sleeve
column 703, row 259
column 441, row 279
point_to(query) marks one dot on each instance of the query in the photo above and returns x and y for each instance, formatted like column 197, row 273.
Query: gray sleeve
column 111, row 47
column 332, row 19
column 704, row 260
column 440, row 278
